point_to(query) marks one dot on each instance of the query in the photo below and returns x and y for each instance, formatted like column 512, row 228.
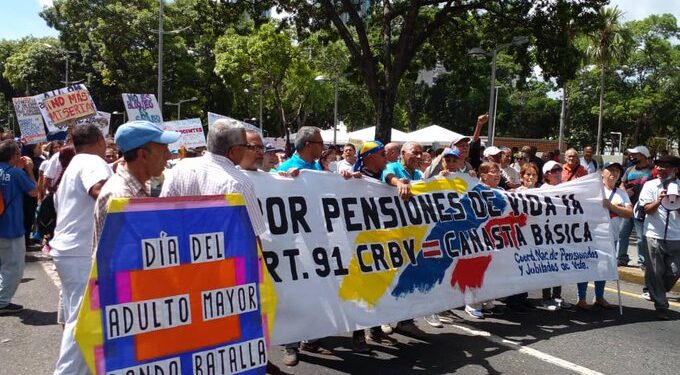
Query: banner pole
column 618, row 291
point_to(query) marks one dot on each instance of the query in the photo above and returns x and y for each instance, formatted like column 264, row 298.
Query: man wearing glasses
column 254, row 155
column 308, row 149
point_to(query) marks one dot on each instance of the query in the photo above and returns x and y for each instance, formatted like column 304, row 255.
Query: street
column 568, row 341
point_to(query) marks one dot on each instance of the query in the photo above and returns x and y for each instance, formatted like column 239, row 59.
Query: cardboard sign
column 192, row 133
column 174, row 290
column 143, row 107
column 30, row 119
column 101, row 119
column 61, row 112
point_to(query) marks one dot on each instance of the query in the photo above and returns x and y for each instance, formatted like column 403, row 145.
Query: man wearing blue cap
column 145, row 153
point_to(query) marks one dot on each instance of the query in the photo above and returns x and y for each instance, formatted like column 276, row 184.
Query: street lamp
column 65, row 53
column 335, row 105
column 516, row 41
column 162, row 32
column 120, row 113
column 179, row 104
column 620, row 137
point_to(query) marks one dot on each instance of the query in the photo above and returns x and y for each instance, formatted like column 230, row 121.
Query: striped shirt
column 121, row 185
column 213, row 174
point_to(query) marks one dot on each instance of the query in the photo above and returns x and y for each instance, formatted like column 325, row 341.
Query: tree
column 608, row 47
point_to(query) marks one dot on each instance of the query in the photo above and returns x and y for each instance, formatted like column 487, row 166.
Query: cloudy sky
column 20, row 17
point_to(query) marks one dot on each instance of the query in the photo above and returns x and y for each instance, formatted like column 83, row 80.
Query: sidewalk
column 633, row 273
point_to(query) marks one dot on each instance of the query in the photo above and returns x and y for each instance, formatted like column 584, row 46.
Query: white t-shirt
column 75, row 206
column 52, row 167
column 344, row 165
column 621, row 199
column 655, row 223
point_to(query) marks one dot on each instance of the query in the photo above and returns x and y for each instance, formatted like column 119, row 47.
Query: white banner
column 30, row 120
column 143, row 107
column 348, row 254
column 192, row 133
column 212, row 117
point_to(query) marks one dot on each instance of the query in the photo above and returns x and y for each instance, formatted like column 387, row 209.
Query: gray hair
column 225, row 134
column 304, row 135
column 409, row 145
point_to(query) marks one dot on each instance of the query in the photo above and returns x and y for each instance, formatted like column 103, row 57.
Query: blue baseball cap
column 135, row 134
column 451, row 151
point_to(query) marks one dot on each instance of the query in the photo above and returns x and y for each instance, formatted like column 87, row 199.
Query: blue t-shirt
column 14, row 183
column 297, row 162
column 398, row 170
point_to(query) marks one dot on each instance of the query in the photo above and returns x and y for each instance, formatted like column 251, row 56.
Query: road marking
column 629, row 294
column 529, row 351
column 49, row 268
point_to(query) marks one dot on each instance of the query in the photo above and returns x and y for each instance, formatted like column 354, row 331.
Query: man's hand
column 482, row 119
column 444, row 173
column 293, row 172
column 347, row 174
column 404, row 190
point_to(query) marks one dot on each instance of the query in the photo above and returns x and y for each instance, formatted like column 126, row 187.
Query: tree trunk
column 384, row 113
column 411, row 109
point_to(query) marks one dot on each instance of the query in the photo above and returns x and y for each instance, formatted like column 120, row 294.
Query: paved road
column 565, row 342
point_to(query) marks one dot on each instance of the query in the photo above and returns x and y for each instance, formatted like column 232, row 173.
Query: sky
column 20, row 18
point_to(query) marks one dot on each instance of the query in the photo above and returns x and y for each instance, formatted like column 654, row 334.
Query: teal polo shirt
column 14, row 183
column 397, row 169
column 296, row 161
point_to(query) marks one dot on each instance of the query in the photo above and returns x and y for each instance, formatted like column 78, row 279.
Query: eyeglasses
column 256, row 148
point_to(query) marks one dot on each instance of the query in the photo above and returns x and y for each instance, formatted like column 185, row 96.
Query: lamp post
column 335, row 105
column 620, row 137
column 161, row 32
column 65, row 53
column 516, row 41
column 179, row 105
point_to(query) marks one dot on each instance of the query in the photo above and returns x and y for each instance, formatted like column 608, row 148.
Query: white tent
column 433, row 134
column 368, row 134
column 340, row 136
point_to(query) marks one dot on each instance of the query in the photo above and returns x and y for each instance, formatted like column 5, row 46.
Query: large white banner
column 347, row 254
column 143, row 107
column 30, row 119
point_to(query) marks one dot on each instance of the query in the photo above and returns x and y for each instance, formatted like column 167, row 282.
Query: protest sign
column 101, row 119
column 30, row 119
column 74, row 103
column 352, row 254
column 212, row 117
column 143, row 107
column 192, row 133
column 174, row 289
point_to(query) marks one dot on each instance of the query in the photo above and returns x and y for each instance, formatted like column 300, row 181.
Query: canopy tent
column 368, row 134
column 433, row 134
column 340, row 136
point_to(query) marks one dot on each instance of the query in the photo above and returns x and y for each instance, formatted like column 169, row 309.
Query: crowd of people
column 56, row 195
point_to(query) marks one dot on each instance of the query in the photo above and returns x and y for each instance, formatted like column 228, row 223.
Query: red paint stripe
column 432, row 253
column 431, row 243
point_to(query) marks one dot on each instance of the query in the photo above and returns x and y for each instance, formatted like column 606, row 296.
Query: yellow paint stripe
column 634, row 295
column 439, row 184
column 235, row 199
column 117, row 204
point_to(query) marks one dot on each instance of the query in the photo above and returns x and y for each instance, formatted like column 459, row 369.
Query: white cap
column 549, row 165
column 640, row 150
column 492, row 151
column 457, row 138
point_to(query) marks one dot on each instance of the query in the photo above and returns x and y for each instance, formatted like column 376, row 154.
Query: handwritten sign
column 77, row 111
column 192, row 133
column 101, row 119
column 174, row 290
column 143, row 107
column 30, row 119
column 212, row 117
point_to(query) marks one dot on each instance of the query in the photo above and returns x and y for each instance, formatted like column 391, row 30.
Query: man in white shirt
column 215, row 172
column 349, row 157
column 72, row 244
column 662, row 230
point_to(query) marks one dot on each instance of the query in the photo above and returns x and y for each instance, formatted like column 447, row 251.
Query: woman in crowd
column 528, row 176
column 619, row 206
column 34, row 152
column 328, row 160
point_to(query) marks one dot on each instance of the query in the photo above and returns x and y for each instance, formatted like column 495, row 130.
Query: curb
column 636, row 276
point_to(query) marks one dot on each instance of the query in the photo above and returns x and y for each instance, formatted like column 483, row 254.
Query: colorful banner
column 212, row 117
column 348, row 254
column 178, row 294
column 192, row 133
column 74, row 103
column 101, row 119
column 30, row 119
column 143, row 107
